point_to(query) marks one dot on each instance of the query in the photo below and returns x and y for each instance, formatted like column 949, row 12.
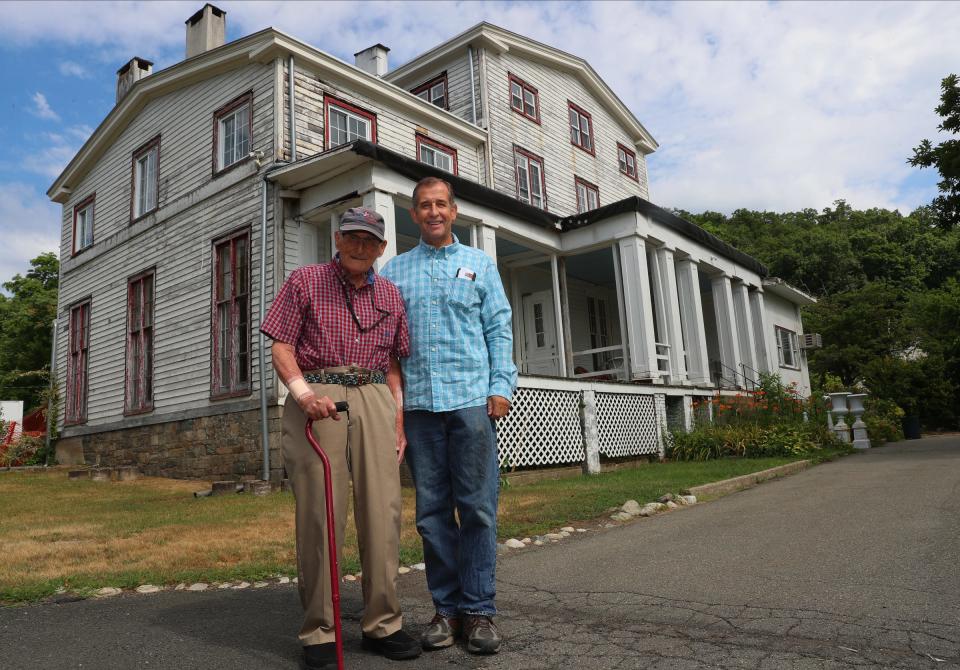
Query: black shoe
column 320, row 656
column 397, row 646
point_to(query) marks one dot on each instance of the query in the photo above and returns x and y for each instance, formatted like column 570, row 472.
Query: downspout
column 473, row 85
column 485, row 110
column 290, row 111
column 262, row 369
column 53, row 385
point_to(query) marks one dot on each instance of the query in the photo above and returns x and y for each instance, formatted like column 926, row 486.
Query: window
column 597, row 316
column 346, row 123
column 434, row 91
column 531, row 187
column 628, row 161
column 231, row 318
column 139, row 371
column 83, row 225
column 232, row 129
column 436, row 154
column 788, row 349
column 588, row 196
column 581, row 128
column 524, row 98
column 146, row 163
column 79, row 334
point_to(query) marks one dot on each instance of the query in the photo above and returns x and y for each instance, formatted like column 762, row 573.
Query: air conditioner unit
column 811, row 341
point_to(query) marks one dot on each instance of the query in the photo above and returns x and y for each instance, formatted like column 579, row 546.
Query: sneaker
column 396, row 646
column 320, row 656
column 483, row 636
column 440, row 632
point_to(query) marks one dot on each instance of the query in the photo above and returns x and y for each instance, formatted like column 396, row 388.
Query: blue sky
column 773, row 106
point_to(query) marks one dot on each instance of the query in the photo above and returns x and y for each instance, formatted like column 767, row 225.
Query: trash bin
column 911, row 427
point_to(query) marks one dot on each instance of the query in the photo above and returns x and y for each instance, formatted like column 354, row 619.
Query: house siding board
column 784, row 314
column 458, row 83
column 551, row 138
column 394, row 130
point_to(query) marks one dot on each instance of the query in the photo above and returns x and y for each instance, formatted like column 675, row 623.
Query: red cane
column 331, row 531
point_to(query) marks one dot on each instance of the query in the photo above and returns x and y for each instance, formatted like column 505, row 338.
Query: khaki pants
column 365, row 451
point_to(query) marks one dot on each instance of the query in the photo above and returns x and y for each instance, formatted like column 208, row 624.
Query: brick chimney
column 130, row 74
column 372, row 59
column 207, row 29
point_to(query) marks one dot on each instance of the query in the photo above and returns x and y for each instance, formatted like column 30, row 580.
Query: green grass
column 80, row 536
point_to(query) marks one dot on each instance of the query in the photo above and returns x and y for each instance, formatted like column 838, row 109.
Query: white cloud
column 42, row 108
column 55, row 150
column 29, row 226
column 68, row 68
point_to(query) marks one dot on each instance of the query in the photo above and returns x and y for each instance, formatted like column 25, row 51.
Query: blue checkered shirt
column 461, row 340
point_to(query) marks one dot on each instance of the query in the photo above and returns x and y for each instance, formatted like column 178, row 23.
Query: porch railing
column 663, row 359
column 613, row 366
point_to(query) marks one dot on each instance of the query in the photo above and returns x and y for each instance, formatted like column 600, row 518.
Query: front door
column 540, row 340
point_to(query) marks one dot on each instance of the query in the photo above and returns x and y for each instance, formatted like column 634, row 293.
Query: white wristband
column 298, row 387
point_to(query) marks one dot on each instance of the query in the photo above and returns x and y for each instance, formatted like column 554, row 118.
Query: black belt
column 346, row 378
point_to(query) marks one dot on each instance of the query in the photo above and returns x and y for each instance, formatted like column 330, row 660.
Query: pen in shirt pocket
column 466, row 273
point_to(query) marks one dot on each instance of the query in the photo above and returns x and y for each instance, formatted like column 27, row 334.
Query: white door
column 540, row 340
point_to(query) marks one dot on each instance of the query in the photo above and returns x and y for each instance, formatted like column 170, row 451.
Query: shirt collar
column 371, row 275
column 447, row 250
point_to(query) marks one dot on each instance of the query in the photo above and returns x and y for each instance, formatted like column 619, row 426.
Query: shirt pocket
column 462, row 294
column 386, row 332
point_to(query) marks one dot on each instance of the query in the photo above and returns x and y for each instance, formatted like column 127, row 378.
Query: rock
column 180, row 587
column 225, row 585
column 127, row 473
column 621, row 516
column 242, row 585
column 283, row 580
column 538, row 543
column 607, row 525
column 101, row 474
column 581, row 530
column 650, row 509
column 689, row 500
column 295, row 580
column 514, row 543
column 403, row 570
column 672, row 505
column 419, row 566
column 256, row 487
column 568, row 529
column 224, row 487
column 147, row 588
column 527, row 540
column 349, row 578
column 665, row 498
column 631, row 507
column 199, row 586
column 108, row 591
column 260, row 585
column 564, row 534
column 553, row 537
column 612, row 509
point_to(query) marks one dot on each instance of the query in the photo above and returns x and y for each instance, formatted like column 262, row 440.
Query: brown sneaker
column 440, row 633
column 483, row 636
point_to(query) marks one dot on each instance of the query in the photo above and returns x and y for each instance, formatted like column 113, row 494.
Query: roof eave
column 781, row 288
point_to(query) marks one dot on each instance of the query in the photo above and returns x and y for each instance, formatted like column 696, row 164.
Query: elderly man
column 338, row 330
column 459, row 379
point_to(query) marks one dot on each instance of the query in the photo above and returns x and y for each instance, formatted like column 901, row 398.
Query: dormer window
column 434, row 91
column 146, row 174
column 346, row 123
column 524, row 98
column 233, row 128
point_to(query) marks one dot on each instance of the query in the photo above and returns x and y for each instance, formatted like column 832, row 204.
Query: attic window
column 83, row 225
column 436, row 154
column 434, row 91
column 524, row 98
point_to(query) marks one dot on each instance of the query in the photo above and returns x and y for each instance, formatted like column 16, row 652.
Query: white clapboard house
column 211, row 180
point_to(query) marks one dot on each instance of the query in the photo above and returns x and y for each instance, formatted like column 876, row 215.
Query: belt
column 358, row 378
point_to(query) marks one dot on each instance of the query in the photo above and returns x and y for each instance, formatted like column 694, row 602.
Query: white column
column 621, row 311
column 382, row 204
column 487, row 240
column 761, row 336
column 558, row 315
column 591, row 439
column 741, row 307
column 517, row 307
column 639, row 308
column 691, row 314
column 726, row 328
column 673, row 331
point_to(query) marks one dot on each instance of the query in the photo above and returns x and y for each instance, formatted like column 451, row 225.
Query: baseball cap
column 361, row 218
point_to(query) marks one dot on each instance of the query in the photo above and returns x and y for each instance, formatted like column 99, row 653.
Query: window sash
column 436, row 157
column 76, row 400
column 145, row 186
column 628, row 162
column 234, row 136
column 523, row 99
column 139, row 392
column 231, row 346
column 84, row 228
column 345, row 126
column 529, row 180
column 787, row 348
column 588, row 197
column 580, row 131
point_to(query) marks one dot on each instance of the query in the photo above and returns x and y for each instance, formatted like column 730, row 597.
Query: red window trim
column 636, row 170
column 543, row 174
column 89, row 201
column 232, row 106
column 137, row 153
column 70, row 401
column 236, row 391
column 147, row 406
column 577, row 181
column 359, row 111
column 423, row 139
column 593, row 138
column 433, row 82
column 512, row 78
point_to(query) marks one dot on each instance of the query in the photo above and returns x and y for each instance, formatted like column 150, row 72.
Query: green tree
column 945, row 156
column 25, row 318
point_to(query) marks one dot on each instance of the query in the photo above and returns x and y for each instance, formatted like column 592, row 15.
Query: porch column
column 691, row 315
column 567, row 350
column 558, row 315
column 382, row 204
column 487, row 240
column 639, row 308
column 670, row 301
column 516, row 307
column 624, row 375
column 726, row 328
column 746, row 342
column 761, row 334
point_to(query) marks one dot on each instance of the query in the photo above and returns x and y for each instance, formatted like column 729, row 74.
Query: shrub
column 27, row 450
column 751, row 440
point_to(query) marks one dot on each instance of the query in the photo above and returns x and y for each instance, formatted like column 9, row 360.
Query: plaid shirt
column 311, row 312
column 461, row 335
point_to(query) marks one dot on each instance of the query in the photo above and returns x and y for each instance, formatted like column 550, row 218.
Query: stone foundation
column 223, row 446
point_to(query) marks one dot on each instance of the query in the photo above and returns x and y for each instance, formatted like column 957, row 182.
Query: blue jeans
column 453, row 459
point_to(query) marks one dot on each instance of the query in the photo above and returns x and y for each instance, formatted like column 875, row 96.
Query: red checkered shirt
column 311, row 313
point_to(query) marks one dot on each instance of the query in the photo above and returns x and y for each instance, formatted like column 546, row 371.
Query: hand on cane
column 317, row 407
